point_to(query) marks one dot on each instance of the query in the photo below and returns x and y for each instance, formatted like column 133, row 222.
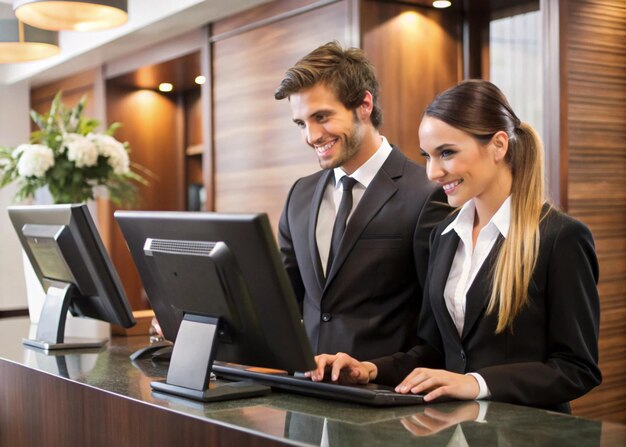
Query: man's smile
column 322, row 150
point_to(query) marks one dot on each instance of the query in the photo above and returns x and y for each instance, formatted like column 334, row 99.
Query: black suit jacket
column 369, row 303
column 550, row 356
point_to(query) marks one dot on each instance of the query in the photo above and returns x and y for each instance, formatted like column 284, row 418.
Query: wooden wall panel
column 152, row 124
column 416, row 52
column 595, row 111
column 265, row 12
column 193, row 117
column 258, row 151
column 73, row 87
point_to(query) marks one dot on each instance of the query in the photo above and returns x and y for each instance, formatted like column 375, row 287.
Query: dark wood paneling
column 152, row 124
column 476, row 42
column 193, row 137
column 258, row 151
column 193, row 117
column 595, row 101
column 416, row 54
column 39, row 409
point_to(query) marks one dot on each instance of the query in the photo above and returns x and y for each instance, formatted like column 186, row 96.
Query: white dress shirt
column 332, row 197
column 469, row 259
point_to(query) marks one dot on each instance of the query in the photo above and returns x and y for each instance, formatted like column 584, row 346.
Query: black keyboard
column 370, row 394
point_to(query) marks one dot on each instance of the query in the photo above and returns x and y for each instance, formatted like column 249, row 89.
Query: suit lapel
column 318, row 194
column 480, row 291
column 379, row 191
column 440, row 268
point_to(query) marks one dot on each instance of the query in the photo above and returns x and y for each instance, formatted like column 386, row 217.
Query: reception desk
column 100, row 398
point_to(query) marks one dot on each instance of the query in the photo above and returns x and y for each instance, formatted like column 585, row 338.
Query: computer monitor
column 69, row 259
column 220, row 292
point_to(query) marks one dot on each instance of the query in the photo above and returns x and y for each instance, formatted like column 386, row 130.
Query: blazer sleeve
column 572, row 305
column 394, row 368
column 285, row 242
column 428, row 353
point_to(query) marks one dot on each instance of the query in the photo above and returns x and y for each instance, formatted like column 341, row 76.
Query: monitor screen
column 69, row 259
column 222, row 273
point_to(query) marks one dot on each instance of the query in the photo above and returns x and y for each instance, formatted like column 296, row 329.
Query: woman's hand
column 436, row 383
column 343, row 368
column 432, row 421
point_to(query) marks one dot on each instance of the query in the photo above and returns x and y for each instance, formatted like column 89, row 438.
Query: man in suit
column 359, row 289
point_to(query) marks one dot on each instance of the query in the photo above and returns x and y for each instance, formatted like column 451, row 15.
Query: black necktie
column 342, row 217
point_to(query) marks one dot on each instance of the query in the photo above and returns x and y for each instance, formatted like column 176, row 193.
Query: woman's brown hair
column 479, row 108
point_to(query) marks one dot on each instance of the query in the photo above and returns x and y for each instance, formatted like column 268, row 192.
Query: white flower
column 18, row 150
column 81, row 150
column 115, row 152
column 34, row 159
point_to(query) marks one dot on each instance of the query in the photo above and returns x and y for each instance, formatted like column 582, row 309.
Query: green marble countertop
column 300, row 420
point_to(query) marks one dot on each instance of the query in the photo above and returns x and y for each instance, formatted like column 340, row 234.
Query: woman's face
column 463, row 166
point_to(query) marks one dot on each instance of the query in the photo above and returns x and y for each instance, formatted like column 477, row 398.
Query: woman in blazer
column 511, row 309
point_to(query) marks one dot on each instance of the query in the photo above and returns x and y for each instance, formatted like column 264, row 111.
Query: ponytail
column 479, row 108
column 518, row 255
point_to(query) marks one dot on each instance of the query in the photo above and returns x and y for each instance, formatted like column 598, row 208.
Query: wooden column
column 593, row 114
column 417, row 54
column 258, row 151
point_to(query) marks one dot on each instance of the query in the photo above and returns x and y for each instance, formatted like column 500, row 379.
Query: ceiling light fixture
column 442, row 4
column 165, row 87
column 72, row 15
column 22, row 43
column 200, row 80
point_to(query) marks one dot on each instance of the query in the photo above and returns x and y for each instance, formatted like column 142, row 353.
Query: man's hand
column 342, row 368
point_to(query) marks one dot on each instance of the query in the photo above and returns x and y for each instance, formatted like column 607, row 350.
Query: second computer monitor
column 222, row 266
column 70, row 261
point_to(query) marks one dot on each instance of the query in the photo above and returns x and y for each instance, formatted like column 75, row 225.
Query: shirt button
column 326, row 317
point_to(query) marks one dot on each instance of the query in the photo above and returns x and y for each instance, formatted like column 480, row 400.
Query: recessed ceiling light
column 165, row 87
column 200, row 80
column 442, row 4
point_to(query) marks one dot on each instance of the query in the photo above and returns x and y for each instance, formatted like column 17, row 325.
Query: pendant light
column 22, row 43
column 72, row 15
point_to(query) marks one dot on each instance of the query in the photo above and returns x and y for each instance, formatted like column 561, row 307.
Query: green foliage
column 71, row 174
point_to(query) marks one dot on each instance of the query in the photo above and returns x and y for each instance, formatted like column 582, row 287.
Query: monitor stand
column 192, row 359
column 51, row 327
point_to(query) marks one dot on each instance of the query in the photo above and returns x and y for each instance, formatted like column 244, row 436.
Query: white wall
column 14, row 130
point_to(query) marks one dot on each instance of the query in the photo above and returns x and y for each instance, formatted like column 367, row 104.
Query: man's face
column 328, row 126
